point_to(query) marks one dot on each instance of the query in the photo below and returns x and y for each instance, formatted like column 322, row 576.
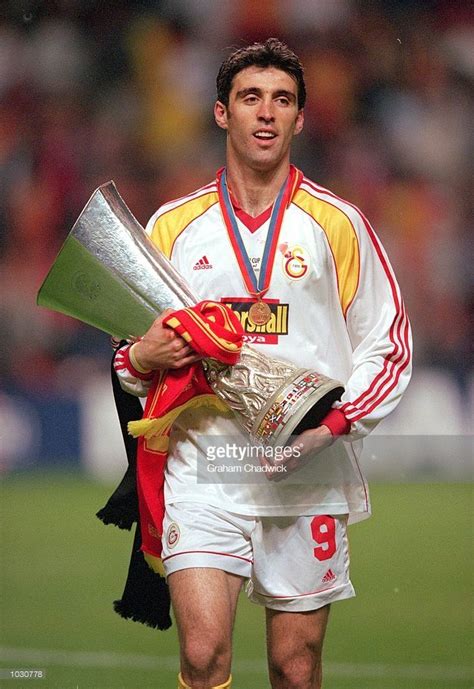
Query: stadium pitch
column 410, row 626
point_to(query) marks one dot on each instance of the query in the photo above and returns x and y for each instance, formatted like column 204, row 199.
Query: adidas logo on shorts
column 328, row 577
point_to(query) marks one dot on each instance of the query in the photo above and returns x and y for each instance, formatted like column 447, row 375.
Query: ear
column 299, row 122
column 220, row 114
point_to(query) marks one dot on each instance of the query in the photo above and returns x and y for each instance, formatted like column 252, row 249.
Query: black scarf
column 146, row 596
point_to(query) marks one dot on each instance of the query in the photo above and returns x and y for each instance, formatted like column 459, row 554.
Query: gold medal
column 259, row 313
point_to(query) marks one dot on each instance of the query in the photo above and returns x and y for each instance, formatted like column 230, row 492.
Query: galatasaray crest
column 173, row 534
column 295, row 262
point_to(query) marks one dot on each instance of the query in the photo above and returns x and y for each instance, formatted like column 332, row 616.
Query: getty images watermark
column 235, row 458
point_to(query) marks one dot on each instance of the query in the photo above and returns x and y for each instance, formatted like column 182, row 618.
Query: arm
column 134, row 381
column 380, row 336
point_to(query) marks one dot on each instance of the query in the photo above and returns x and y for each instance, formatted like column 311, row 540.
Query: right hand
column 162, row 348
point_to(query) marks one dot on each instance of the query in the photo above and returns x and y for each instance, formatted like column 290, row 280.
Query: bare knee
column 204, row 601
column 296, row 669
column 205, row 658
column 295, row 643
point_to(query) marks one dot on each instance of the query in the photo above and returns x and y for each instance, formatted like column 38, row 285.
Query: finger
column 186, row 353
column 277, row 476
column 179, row 346
column 184, row 349
column 158, row 322
column 290, row 466
column 186, row 361
column 192, row 358
column 271, row 474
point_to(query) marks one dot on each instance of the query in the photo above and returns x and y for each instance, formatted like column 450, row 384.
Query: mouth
column 264, row 135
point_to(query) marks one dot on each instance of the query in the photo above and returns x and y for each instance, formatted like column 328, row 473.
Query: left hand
column 307, row 443
column 162, row 348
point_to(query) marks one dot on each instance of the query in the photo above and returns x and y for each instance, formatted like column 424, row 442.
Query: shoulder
column 341, row 224
column 172, row 218
column 324, row 205
column 185, row 205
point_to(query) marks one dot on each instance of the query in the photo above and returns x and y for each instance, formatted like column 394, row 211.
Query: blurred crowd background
column 93, row 91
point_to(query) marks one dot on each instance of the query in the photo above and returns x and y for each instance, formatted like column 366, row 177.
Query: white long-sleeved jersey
column 336, row 308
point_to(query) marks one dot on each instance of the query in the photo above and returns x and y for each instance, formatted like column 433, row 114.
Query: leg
column 294, row 645
column 207, row 555
column 301, row 565
column 204, row 602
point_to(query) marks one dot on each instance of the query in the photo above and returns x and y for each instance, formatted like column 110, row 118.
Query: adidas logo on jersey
column 202, row 264
column 328, row 577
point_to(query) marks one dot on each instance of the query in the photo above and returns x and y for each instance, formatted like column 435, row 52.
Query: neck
column 254, row 190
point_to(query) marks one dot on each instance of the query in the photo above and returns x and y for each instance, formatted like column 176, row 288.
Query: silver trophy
column 109, row 274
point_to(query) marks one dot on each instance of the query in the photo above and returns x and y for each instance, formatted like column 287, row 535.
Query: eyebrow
column 258, row 92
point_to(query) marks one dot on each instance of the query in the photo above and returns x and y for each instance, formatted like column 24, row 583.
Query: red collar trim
column 250, row 222
column 253, row 224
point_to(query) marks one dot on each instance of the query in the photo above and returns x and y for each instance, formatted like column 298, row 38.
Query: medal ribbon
column 254, row 287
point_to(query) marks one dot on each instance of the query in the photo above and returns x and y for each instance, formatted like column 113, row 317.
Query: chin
column 266, row 157
column 263, row 164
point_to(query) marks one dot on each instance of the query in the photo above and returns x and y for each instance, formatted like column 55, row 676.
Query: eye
column 251, row 99
column 283, row 100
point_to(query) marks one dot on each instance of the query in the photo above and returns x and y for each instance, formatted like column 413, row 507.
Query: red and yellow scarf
column 213, row 331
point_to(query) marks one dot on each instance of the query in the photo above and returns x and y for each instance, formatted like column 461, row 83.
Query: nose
column 265, row 111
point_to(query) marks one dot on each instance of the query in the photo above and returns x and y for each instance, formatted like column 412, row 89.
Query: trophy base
column 297, row 406
column 272, row 399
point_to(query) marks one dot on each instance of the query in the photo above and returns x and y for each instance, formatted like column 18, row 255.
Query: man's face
column 262, row 117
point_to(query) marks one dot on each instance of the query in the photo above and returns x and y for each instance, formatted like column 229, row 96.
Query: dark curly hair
column 271, row 53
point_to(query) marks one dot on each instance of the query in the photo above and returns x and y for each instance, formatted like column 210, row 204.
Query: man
column 326, row 299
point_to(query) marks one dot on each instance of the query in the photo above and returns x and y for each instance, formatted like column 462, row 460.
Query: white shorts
column 292, row 563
